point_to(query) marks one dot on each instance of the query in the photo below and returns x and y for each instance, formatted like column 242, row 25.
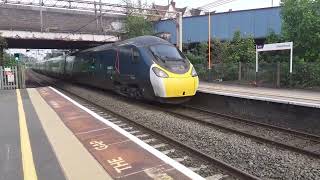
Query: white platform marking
column 184, row 170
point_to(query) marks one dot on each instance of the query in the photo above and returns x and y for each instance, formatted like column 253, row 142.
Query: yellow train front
column 173, row 77
column 170, row 87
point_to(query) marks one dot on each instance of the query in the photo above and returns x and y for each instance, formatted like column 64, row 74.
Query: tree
column 301, row 24
column 272, row 37
column 219, row 52
column 136, row 23
column 3, row 45
column 241, row 49
column 9, row 60
column 137, row 26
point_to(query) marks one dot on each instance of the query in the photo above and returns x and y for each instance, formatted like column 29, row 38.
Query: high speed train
column 145, row 67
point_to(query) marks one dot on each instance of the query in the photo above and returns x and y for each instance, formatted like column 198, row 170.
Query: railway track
column 300, row 142
column 174, row 145
column 296, row 141
column 158, row 140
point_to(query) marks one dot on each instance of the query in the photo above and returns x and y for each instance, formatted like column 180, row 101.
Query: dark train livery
column 145, row 67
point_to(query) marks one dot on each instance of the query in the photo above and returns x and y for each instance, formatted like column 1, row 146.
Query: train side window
column 135, row 55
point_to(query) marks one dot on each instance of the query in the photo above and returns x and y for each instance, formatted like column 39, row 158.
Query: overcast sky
column 235, row 5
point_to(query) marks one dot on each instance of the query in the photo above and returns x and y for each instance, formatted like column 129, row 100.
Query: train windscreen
column 166, row 52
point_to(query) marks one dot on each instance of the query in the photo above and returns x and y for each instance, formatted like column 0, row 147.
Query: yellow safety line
column 29, row 170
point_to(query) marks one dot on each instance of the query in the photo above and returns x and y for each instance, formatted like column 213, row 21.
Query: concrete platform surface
column 47, row 135
column 286, row 96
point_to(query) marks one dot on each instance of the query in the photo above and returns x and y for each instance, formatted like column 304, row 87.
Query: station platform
column 286, row 96
column 46, row 135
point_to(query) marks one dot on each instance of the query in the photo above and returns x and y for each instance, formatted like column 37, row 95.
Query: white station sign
column 274, row 47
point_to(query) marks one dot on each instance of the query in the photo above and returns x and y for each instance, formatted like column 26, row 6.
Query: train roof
column 137, row 41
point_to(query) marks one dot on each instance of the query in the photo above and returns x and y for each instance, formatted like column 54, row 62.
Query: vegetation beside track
column 301, row 24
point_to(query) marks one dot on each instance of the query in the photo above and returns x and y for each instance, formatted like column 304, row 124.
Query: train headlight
column 194, row 72
column 159, row 72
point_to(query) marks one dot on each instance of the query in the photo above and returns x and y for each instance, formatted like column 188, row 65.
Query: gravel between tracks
column 260, row 131
column 260, row 160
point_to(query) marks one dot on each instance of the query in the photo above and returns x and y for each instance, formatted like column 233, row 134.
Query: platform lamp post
column 209, row 46
column 100, row 9
column 179, row 30
column 207, row 8
column 209, row 36
column 41, row 16
column 209, row 41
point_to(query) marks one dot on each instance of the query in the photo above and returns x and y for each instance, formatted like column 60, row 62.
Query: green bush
column 226, row 56
column 9, row 60
column 304, row 75
column 200, row 64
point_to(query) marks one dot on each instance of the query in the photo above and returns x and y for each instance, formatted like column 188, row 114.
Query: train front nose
column 181, row 86
column 168, row 85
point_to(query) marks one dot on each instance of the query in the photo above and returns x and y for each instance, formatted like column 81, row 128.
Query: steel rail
column 301, row 134
column 234, row 130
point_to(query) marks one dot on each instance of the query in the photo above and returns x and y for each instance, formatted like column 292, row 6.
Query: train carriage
column 145, row 67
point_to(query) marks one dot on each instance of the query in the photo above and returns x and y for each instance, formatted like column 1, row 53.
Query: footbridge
column 59, row 25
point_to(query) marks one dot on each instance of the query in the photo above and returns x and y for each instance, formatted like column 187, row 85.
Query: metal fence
column 12, row 77
column 305, row 75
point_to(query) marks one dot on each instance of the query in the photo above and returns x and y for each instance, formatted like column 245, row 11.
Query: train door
column 106, row 68
column 136, row 65
column 69, row 66
column 92, row 68
column 128, row 71
column 128, row 65
column 83, row 69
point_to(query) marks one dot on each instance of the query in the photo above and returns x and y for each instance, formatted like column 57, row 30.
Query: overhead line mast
column 207, row 8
